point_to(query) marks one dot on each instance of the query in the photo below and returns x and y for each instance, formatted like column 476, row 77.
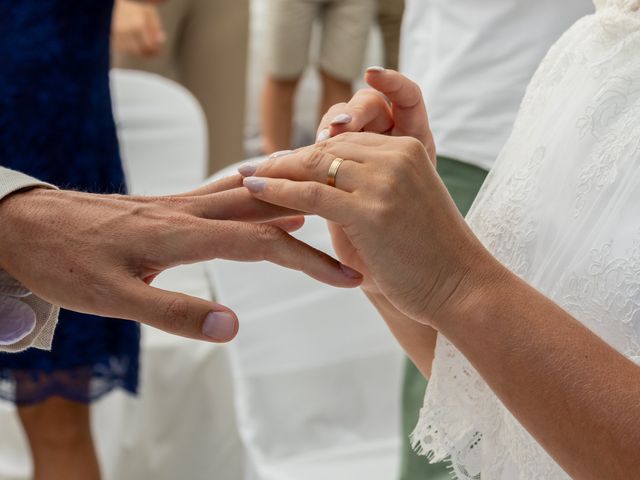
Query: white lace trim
column 560, row 210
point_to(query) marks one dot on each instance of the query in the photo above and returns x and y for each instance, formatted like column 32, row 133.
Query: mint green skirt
column 463, row 182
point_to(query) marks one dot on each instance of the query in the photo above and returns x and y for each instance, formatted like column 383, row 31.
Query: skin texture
column 137, row 29
column 425, row 271
column 97, row 253
column 59, row 435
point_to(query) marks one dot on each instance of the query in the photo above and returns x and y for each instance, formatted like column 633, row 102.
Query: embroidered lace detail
column 560, row 209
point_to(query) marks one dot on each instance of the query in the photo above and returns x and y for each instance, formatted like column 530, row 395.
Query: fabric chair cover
column 316, row 373
column 182, row 425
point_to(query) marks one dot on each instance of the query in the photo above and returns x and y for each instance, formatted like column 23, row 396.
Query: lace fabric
column 560, row 210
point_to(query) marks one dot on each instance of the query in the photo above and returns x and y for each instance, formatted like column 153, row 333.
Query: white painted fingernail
column 254, row 184
column 376, row 69
column 219, row 326
column 249, row 168
column 281, row 153
column 322, row 136
column 341, row 119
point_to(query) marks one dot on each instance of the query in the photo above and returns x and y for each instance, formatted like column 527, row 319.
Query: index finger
column 366, row 111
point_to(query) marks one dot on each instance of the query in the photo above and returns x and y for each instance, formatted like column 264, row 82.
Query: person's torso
column 56, row 121
column 474, row 59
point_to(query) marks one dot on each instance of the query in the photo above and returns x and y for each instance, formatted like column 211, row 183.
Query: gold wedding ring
column 333, row 171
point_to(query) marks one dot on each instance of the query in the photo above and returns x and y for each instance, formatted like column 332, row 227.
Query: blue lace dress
column 56, row 124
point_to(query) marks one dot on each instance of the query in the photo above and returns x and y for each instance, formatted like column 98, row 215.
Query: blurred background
column 297, row 395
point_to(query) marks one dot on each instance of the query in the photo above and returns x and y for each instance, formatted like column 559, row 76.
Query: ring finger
column 314, row 163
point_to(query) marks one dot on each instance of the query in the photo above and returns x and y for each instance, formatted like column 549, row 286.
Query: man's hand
column 98, row 253
column 137, row 29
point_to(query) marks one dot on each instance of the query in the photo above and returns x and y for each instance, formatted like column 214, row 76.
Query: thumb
column 407, row 103
column 178, row 314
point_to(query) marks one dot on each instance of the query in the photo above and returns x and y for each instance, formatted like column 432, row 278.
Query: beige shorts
column 345, row 33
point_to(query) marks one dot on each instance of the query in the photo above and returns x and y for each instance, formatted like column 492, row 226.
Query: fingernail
column 249, row 168
column 350, row 272
column 376, row 68
column 341, row 119
column 219, row 326
column 281, row 153
column 254, row 184
column 322, row 136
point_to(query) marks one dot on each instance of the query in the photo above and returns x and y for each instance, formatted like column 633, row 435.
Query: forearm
column 417, row 340
column 574, row 393
column 12, row 182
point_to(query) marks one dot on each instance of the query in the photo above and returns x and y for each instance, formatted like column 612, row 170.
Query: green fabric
column 463, row 182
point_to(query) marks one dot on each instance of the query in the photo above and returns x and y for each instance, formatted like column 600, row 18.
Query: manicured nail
column 254, row 184
column 281, row 153
column 341, row 119
column 249, row 168
column 376, row 69
column 219, row 326
column 322, row 136
column 350, row 272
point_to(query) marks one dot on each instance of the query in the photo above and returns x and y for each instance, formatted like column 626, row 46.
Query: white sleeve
column 46, row 314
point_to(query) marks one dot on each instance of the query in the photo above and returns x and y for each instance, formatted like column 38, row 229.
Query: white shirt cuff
column 30, row 321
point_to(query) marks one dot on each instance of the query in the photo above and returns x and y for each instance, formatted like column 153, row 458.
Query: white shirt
column 560, row 210
column 473, row 60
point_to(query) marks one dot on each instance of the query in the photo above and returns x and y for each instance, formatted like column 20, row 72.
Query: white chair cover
column 162, row 132
column 316, row 373
column 182, row 425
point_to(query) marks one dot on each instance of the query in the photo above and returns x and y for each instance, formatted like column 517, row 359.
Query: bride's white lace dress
column 561, row 208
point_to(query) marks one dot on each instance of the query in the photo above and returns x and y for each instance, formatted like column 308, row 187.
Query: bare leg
column 59, row 435
column 333, row 91
column 278, row 98
column 212, row 60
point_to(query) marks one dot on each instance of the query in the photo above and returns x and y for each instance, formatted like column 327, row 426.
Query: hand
column 393, row 209
column 98, row 253
column 393, row 106
column 137, row 28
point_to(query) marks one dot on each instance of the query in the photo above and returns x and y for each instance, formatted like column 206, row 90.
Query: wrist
column 11, row 212
column 479, row 293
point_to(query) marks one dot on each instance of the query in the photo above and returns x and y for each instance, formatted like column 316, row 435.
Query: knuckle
column 337, row 108
column 383, row 213
column 414, row 88
column 365, row 92
column 173, row 202
column 312, row 195
column 176, row 314
column 346, row 137
column 313, row 160
column 412, row 150
column 175, row 220
column 267, row 233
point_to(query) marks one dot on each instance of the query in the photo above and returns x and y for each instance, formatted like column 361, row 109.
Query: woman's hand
column 393, row 209
column 137, row 29
column 394, row 106
column 98, row 253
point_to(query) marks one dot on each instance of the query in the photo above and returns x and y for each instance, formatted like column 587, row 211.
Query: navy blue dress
column 56, row 124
